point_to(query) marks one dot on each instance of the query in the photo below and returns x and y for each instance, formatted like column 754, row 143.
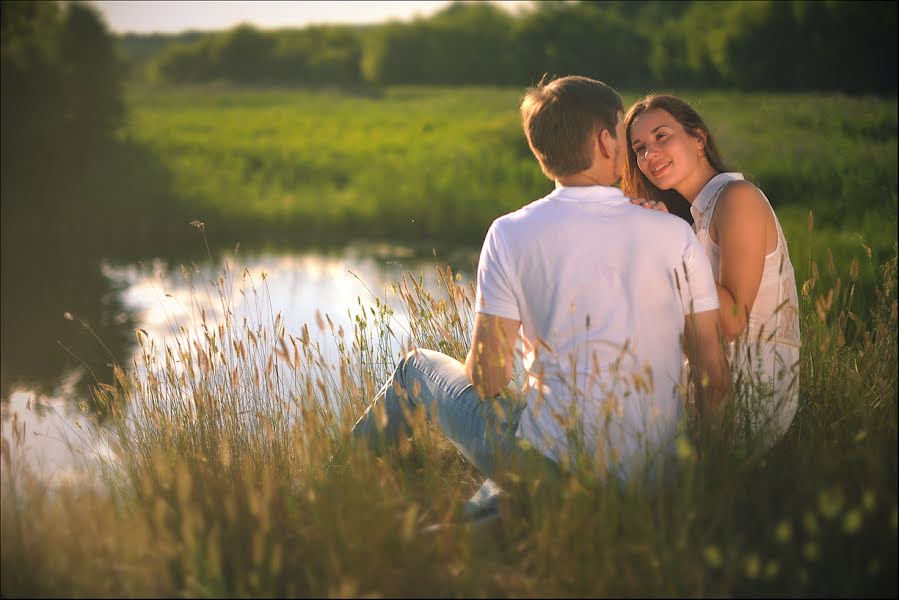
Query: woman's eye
column 638, row 150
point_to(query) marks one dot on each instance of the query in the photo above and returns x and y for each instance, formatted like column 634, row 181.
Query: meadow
column 234, row 475
column 408, row 163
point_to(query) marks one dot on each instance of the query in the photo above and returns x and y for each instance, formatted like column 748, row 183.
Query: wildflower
column 830, row 503
column 772, row 568
column 713, row 556
column 685, row 449
column 810, row 551
column 810, row 522
column 869, row 500
column 752, row 566
column 783, row 532
column 852, row 522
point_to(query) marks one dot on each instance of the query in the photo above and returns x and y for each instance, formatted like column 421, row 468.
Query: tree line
column 66, row 173
column 61, row 82
column 771, row 45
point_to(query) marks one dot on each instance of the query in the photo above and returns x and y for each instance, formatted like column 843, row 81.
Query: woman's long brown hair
column 634, row 183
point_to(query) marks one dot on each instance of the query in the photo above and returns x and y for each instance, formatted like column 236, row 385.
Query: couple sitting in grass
column 633, row 325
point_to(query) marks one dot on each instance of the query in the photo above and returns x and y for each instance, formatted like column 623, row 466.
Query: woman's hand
column 650, row 204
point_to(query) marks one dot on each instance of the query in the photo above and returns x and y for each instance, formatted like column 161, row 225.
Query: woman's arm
column 740, row 220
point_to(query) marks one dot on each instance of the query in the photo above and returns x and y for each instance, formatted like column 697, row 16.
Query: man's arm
column 708, row 365
column 489, row 362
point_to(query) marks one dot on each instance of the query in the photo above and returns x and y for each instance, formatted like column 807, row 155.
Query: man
column 601, row 291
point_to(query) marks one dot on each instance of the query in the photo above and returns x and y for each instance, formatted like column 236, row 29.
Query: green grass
column 411, row 164
column 442, row 163
column 235, row 478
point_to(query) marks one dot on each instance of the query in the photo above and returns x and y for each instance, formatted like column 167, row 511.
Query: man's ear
column 606, row 142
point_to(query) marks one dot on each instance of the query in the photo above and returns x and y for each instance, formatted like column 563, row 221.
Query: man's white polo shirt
column 601, row 288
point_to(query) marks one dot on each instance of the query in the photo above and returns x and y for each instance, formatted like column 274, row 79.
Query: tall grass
column 235, row 476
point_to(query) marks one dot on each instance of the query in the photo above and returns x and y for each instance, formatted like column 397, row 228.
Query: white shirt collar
column 587, row 193
column 708, row 191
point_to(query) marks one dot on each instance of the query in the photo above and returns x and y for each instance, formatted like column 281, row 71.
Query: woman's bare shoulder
column 740, row 198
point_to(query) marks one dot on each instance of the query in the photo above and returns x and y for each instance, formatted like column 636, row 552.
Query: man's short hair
column 561, row 116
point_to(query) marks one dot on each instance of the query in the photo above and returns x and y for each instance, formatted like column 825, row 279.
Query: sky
column 133, row 16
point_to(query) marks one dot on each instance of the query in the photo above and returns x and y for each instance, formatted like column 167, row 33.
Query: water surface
column 67, row 322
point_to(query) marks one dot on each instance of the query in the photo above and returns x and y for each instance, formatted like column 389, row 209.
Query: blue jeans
column 482, row 429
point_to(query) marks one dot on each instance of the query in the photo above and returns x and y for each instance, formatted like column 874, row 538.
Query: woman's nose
column 650, row 152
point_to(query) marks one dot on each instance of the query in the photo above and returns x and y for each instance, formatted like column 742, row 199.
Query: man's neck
column 584, row 179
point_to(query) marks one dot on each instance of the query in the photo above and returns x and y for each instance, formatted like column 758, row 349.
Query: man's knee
column 416, row 358
column 399, row 373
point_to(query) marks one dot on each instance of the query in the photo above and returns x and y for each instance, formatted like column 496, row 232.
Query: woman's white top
column 765, row 358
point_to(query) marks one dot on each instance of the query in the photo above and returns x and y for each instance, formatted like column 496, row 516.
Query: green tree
column 61, row 87
column 334, row 56
column 471, row 43
column 683, row 42
column 184, row 63
column 242, row 55
column 91, row 74
column 580, row 39
column 398, row 53
column 828, row 46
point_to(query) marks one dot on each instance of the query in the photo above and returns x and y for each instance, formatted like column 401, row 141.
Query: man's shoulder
column 660, row 220
column 526, row 212
column 529, row 215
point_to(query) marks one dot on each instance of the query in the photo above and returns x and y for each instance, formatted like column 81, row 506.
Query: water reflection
column 167, row 300
column 47, row 383
column 39, row 348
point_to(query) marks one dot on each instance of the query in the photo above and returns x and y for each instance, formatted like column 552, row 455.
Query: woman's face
column 666, row 153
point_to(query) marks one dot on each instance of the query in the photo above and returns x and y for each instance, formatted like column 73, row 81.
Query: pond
column 66, row 321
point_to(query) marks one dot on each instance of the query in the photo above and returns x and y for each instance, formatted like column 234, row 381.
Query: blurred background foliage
column 72, row 163
column 409, row 131
column 770, row 45
column 74, row 160
column 65, row 166
column 62, row 84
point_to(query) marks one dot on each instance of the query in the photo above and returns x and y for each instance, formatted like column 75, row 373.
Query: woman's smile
column 660, row 168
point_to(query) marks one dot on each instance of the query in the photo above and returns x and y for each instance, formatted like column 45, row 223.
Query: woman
column 673, row 157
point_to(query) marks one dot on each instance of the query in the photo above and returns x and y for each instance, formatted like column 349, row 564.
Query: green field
column 425, row 164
